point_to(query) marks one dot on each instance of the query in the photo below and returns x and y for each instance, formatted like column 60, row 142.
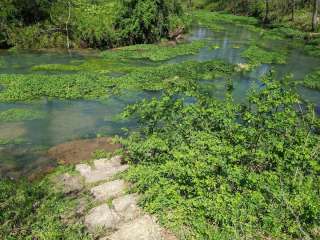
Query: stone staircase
column 116, row 213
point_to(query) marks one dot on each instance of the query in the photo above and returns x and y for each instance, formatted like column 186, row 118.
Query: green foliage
column 99, row 154
column 36, row 211
column 95, row 85
column 312, row 80
column 218, row 170
column 146, row 21
column 17, row 114
column 257, row 56
column 86, row 23
column 12, row 141
column 155, row 52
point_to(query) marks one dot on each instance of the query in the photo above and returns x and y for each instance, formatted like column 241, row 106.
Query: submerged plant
column 17, row 114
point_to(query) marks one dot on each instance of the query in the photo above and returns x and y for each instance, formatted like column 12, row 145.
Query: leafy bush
column 219, row 170
column 145, row 21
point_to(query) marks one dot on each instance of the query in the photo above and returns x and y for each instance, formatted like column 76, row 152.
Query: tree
column 267, row 12
column 293, row 5
column 316, row 4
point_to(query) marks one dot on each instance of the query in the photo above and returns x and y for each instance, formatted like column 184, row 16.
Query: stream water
column 69, row 120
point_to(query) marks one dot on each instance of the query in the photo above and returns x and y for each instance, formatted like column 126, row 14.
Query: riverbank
column 208, row 161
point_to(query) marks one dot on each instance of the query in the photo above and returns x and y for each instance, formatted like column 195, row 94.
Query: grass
column 37, row 210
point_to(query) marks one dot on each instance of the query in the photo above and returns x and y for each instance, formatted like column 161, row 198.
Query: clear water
column 69, row 120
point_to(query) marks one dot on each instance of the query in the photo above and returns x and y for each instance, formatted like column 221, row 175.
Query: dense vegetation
column 220, row 170
column 300, row 14
column 86, row 23
column 95, row 85
column 208, row 168
column 37, row 211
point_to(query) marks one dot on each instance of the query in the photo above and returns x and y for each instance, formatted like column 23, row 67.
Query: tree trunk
column 266, row 17
column 293, row 6
column 316, row 4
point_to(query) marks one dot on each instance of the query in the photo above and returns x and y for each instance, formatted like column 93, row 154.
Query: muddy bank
column 81, row 150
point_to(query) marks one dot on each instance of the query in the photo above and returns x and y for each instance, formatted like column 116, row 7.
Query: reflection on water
column 69, row 120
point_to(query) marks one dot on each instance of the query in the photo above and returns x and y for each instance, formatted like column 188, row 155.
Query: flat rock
column 104, row 174
column 126, row 206
column 104, row 169
column 108, row 190
column 69, row 184
column 106, row 163
column 101, row 217
column 143, row 228
column 83, row 169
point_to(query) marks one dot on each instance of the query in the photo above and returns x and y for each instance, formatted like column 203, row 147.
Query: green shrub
column 218, row 170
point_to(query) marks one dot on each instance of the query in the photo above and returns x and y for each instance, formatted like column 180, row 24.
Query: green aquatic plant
column 55, row 67
column 20, row 114
column 256, row 56
column 155, row 52
column 19, row 87
column 219, row 170
column 12, row 141
column 98, row 65
column 213, row 20
column 312, row 80
column 95, row 85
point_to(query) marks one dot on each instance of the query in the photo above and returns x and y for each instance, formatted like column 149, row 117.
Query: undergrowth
column 37, row 211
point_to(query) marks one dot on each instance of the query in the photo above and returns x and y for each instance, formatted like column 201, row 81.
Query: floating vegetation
column 257, row 56
column 18, row 114
column 12, row 141
column 312, row 80
column 155, row 52
column 213, row 20
column 91, row 85
column 91, row 65
column 55, row 67
column 215, row 46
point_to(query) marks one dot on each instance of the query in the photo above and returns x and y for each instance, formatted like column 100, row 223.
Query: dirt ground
column 80, row 150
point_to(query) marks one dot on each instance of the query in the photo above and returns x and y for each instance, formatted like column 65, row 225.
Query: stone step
column 103, row 169
column 108, row 190
column 143, row 228
column 101, row 217
column 126, row 207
